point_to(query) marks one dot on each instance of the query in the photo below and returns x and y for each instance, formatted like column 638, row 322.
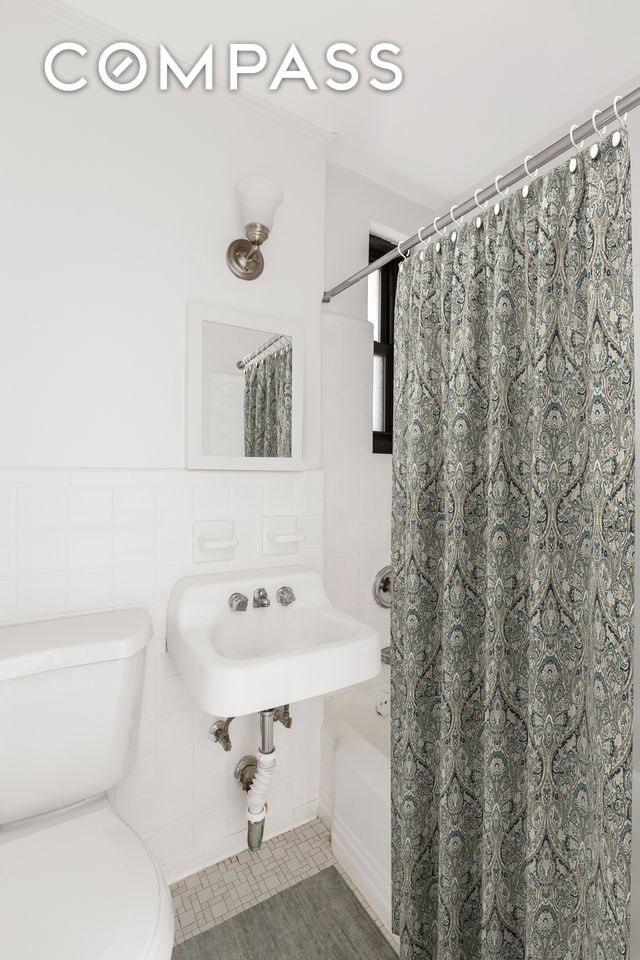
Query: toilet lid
column 80, row 888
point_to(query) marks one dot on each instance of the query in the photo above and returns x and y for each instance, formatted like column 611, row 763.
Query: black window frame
column 378, row 246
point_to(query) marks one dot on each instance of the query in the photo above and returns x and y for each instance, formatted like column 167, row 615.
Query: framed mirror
column 244, row 391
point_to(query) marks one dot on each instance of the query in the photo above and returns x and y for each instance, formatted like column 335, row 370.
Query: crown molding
column 98, row 30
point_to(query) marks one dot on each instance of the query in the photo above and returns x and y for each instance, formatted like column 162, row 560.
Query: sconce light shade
column 258, row 199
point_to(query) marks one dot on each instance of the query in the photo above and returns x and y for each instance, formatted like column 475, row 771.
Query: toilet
column 76, row 882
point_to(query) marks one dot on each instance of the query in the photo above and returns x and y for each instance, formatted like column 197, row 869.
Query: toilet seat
column 81, row 885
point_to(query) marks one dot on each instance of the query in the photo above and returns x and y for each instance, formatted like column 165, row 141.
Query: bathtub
column 356, row 789
column 355, row 797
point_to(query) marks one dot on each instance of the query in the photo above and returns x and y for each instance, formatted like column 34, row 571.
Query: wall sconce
column 258, row 201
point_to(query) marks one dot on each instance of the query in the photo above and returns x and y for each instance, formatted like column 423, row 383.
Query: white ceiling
column 485, row 82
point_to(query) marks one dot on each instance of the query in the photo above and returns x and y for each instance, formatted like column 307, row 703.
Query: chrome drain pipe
column 255, row 775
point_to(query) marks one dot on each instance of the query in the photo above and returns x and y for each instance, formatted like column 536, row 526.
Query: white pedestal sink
column 237, row 662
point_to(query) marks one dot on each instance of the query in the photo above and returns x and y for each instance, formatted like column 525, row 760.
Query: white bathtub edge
column 363, row 871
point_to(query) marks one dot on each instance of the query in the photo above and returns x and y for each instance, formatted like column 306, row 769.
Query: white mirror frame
column 199, row 313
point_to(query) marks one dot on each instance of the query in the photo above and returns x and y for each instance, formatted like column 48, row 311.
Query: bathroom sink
column 238, row 661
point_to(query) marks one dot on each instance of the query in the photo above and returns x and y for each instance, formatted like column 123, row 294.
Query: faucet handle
column 261, row 598
column 238, row 602
column 285, row 596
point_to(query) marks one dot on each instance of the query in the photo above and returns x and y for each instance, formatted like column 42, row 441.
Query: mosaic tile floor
column 225, row 889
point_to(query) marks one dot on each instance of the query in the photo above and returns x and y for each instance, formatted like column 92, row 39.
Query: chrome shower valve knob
column 285, row 596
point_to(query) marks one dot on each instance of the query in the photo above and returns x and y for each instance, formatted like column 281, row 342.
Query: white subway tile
column 210, row 790
column 279, row 495
column 90, row 589
column 40, row 508
column 140, row 782
column 147, row 738
column 175, row 729
column 41, row 595
column 7, row 599
column 248, row 535
column 90, row 506
column 175, row 841
column 342, row 566
column 90, row 547
column 173, row 542
column 174, row 504
column 213, row 501
column 41, row 551
column 168, row 574
column 133, row 584
column 342, row 483
column 134, row 544
column 7, row 508
column 147, row 710
column 247, row 496
column 173, row 696
column 133, row 505
column 7, row 553
column 141, row 814
column 210, row 827
column 210, row 756
column 175, row 803
column 175, row 766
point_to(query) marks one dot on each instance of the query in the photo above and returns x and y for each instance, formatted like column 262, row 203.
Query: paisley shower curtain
column 267, row 405
column 513, row 578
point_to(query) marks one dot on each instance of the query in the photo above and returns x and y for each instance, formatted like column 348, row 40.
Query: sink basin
column 238, row 662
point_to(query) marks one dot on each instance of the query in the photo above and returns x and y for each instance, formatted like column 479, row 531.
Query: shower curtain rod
column 241, row 364
column 602, row 118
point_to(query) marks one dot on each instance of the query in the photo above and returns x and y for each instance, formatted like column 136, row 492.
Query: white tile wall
column 72, row 542
column 357, row 483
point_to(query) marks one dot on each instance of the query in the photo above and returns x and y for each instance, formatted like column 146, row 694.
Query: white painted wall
column 355, row 207
column 115, row 209
column 357, row 503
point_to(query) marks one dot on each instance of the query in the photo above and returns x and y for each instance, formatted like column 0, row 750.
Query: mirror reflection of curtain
column 267, row 405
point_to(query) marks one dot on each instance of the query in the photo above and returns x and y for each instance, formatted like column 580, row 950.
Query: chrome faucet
column 285, row 596
column 238, row 602
column 260, row 598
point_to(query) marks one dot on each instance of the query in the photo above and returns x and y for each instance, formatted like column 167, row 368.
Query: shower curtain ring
column 495, row 182
column 440, row 234
column 423, row 242
column 403, row 255
column 575, row 127
column 602, row 132
column 531, row 176
column 621, row 120
column 454, row 218
column 480, row 207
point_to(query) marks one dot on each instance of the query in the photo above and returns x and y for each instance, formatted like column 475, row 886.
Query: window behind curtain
column 381, row 298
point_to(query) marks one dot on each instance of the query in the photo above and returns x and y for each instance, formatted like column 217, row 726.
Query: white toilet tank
column 70, row 698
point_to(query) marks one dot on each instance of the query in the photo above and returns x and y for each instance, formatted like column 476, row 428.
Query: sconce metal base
column 245, row 260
